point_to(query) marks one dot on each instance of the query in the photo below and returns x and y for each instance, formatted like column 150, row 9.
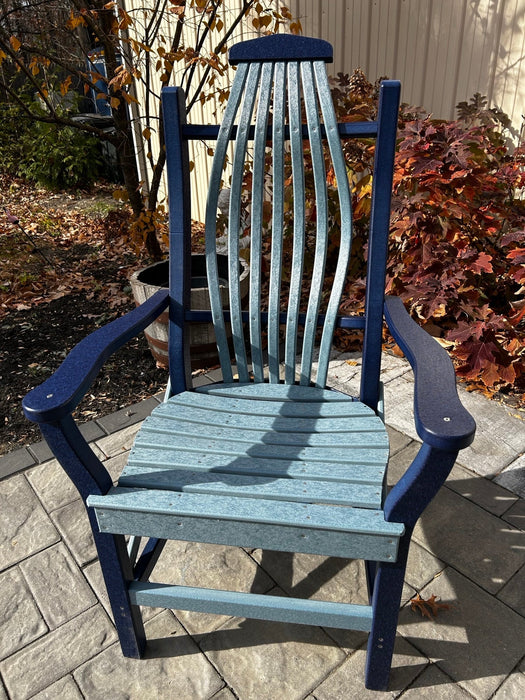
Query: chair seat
column 276, row 466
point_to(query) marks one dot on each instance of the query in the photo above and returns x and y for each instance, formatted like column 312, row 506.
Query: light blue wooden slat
column 245, row 510
column 274, row 294
column 274, row 392
column 247, row 406
column 332, row 133
column 253, row 605
column 183, row 433
column 234, row 219
column 282, row 526
column 250, row 486
column 174, row 458
column 162, row 420
column 258, row 196
column 211, row 218
column 321, row 205
column 308, row 431
column 296, row 149
column 208, row 529
column 342, row 454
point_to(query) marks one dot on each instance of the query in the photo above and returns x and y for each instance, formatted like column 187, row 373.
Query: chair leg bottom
column 386, row 600
column 117, row 572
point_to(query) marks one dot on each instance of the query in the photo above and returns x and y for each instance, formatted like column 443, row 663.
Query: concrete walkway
column 57, row 639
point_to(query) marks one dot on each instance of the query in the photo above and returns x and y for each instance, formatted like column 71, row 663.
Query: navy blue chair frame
column 442, row 423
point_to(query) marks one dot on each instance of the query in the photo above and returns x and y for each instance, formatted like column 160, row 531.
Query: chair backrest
column 280, row 99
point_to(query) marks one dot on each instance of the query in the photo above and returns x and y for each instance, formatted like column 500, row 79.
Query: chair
column 270, row 457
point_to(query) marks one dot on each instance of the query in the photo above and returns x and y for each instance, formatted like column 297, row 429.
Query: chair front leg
column 386, row 599
column 404, row 504
column 90, row 477
column 118, row 573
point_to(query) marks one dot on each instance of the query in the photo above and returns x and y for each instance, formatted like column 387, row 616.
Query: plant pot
column 203, row 348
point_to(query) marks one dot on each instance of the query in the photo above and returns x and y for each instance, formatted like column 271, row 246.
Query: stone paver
column 422, row 566
column 173, row 668
column 500, row 436
column 513, row 593
column 45, row 661
column 471, row 540
column 516, row 515
column 25, row 528
column 433, row 684
column 477, row 642
column 57, row 584
column 53, row 486
column 513, row 476
column 347, row 680
column 224, row 694
column 485, row 493
column 20, row 620
column 73, row 523
column 116, row 443
column 64, row 689
column 128, row 416
column 320, row 578
column 15, row 462
column 264, row 660
column 512, row 688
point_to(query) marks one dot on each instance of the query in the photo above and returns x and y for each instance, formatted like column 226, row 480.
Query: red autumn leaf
column 428, row 608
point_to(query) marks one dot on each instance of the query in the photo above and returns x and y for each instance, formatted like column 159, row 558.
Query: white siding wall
column 443, row 51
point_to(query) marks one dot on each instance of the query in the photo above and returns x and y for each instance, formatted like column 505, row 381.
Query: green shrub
column 50, row 155
column 59, row 157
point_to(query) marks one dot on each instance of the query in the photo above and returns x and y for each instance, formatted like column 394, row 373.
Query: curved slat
column 234, row 219
column 211, row 219
column 334, row 143
column 257, row 201
column 171, row 458
column 274, row 300
column 224, row 420
column 247, row 406
column 255, row 486
column 229, row 508
column 321, row 204
column 296, row 147
column 275, row 392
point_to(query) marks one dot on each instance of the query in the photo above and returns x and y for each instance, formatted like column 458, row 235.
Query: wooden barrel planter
column 203, row 347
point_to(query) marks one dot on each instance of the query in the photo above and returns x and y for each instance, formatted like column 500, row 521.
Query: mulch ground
column 69, row 279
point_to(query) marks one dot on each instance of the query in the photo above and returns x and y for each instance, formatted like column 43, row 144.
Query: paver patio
column 57, row 639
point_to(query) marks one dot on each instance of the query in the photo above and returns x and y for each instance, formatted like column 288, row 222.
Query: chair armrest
column 60, row 394
column 440, row 418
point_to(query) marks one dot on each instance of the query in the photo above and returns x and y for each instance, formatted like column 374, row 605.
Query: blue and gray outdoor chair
column 270, row 457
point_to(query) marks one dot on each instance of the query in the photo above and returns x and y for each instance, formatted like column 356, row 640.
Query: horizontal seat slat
column 173, row 458
column 253, row 422
column 358, row 452
column 247, row 431
column 249, row 486
column 274, row 392
column 251, row 406
column 253, row 605
column 311, row 516
column 276, row 525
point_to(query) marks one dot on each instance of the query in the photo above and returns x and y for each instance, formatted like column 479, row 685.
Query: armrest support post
column 77, row 458
column 418, row 485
